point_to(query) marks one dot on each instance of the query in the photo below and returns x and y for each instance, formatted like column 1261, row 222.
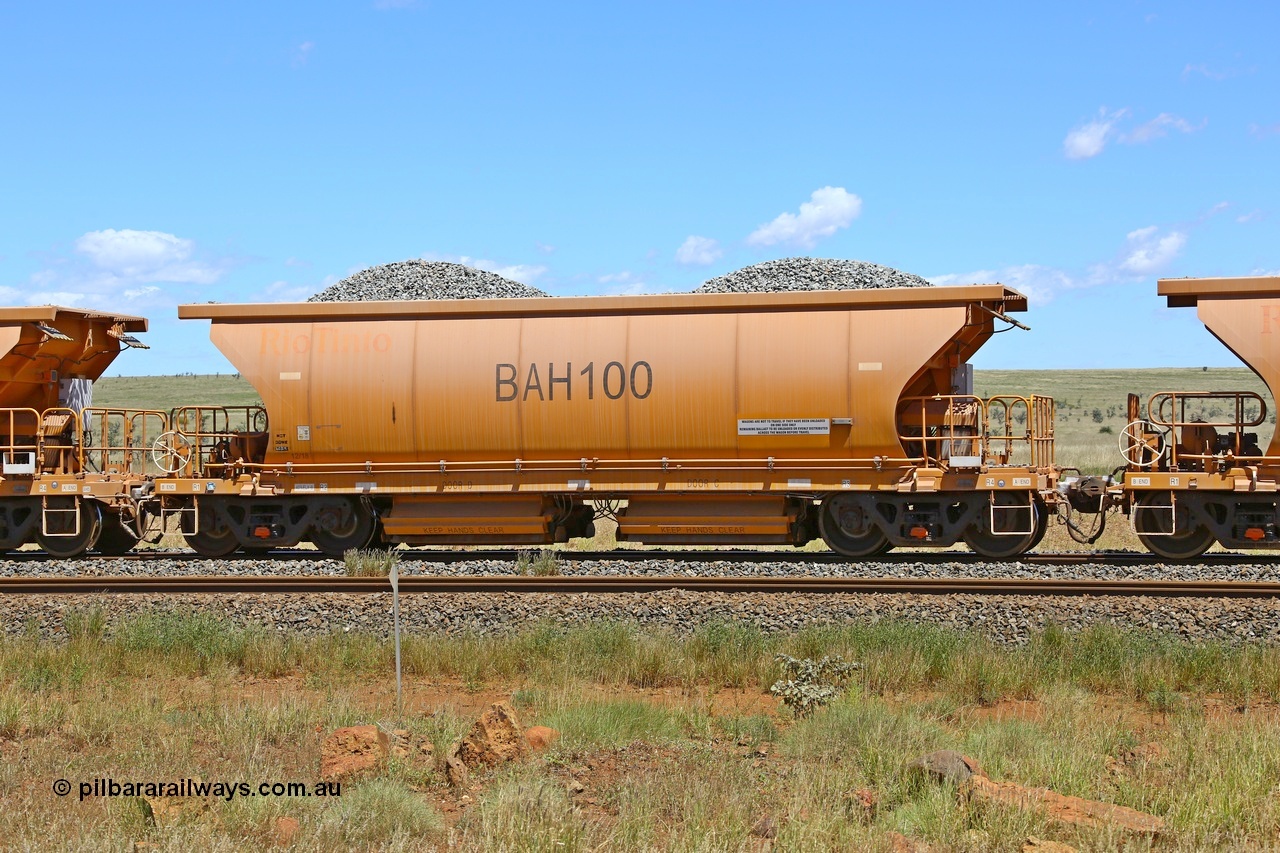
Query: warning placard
column 784, row 426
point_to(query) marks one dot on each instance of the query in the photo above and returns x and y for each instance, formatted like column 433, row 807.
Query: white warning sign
column 784, row 426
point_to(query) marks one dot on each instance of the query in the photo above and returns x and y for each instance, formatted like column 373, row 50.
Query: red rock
column 900, row 843
column 355, row 752
column 495, row 738
column 765, row 827
column 540, row 737
column 1060, row 808
column 946, row 765
column 163, row 812
column 286, row 830
column 455, row 772
column 864, row 803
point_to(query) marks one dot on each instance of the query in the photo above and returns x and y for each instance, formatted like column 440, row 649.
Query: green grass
column 538, row 562
column 896, row 658
column 1078, row 394
column 162, row 393
column 1082, row 397
column 664, row 767
column 374, row 563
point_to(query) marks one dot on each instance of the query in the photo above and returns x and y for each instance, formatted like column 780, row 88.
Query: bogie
column 1168, row 528
column 1009, row 525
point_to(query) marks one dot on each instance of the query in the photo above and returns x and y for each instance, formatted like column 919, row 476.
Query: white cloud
column 523, row 273
column 698, row 251
column 144, row 256
column 1204, row 70
column 1160, row 126
column 1262, row 131
column 964, row 278
column 1088, row 140
column 1216, row 75
column 1147, row 250
column 1039, row 283
column 1091, row 138
column 544, row 248
column 283, row 291
column 828, row 210
column 122, row 268
column 625, row 283
column 302, row 53
column 617, row 277
column 58, row 297
column 1265, row 272
column 1251, row 216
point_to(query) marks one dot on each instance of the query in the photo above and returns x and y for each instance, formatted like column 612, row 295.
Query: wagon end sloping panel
column 1243, row 313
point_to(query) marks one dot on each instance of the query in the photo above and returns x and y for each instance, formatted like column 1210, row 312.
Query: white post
column 395, row 609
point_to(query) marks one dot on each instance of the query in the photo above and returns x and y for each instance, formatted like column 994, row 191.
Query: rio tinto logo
column 325, row 339
column 1270, row 318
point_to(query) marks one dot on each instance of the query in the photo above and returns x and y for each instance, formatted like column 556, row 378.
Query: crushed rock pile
column 810, row 274
column 424, row 280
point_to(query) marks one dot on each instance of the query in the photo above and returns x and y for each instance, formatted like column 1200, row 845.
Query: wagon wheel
column 848, row 528
column 68, row 531
column 1171, row 535
column 1142, row 444
column 1005, row 541
column 341, row 526
column 171, row 452
column 213, row 538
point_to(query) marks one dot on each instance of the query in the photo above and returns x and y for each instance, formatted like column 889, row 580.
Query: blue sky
column 158, row 153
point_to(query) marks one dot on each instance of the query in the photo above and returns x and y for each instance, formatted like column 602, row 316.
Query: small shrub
column 542, row 564
column 525, row 698
column 41, row 676
column 1105, row 430
column 369, row 564
column 1164, row 699
column 811, row 684
column 380, row 813
column 87, row 625
column 10, row 716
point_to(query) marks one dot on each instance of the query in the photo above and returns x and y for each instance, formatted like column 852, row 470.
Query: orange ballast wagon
column 72, row 476
column 690, row 418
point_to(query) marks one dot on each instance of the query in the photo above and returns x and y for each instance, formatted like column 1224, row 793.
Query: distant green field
column 1089, row 402
column 1076, row 391
column 167, row 392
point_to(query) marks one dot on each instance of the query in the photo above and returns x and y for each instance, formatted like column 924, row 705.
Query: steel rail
column 594, row 584
column 686, row 556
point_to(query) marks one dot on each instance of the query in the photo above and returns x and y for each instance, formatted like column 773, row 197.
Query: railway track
column 686, row 556
column 419, row 584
